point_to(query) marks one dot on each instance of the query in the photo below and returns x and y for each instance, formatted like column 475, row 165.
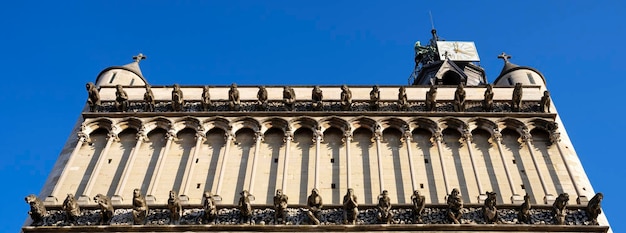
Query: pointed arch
column 275, row 122
column 98, row 123
column 393, row 122
column 187, row 123
column 129, row 122
column 483, row 124
column 511, row 124
column 216, row 122
column 423, row 123
column 334, row 122
column 363, row 122
column 303, row 122
column 245, row 122
column 453, row 123
column 158, row 123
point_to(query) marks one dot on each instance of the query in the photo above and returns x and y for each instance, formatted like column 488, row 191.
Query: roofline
column 519, row 68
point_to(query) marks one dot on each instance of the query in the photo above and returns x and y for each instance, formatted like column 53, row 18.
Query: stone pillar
column 82, row 138
column 438, row 138
column 467, row 135
column 555, row 138
column 229, row 137
column 189, row 169
column 118, row 198
column 318, row 139
column 95, row 173
column 378, row 134
column 516, row 198
column 258, row 138
column 348, row 138
column 288, row 139
column 160, row 165
column 527, row 138
column 408, row 136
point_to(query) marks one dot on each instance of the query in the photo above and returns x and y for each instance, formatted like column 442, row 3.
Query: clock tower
column 447, row 63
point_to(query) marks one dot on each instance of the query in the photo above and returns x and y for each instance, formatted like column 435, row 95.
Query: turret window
column 112, row 78
column 530, row 78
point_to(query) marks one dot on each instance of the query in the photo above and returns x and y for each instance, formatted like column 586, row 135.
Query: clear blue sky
column 50, row 49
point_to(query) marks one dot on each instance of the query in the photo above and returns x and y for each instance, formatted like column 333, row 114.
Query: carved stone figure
column 346, row 98
column 489, row 208
column 594, row 208
column 488, row 100
column 121, row 99
column 262, row 98
column 233, row 98
column 289, row 98
column 403, row 102
column 375, row 98
column 177, row 98
column 524, row 211
column 175, row 208
column 558, row 208
column 384, row 208
column 317, row 96
column 245, row 208
column 148, row 99
column 516, row 103
column 419, row 202
column 210, row 209
column 37, row 211
column 106, row 209
column 206, row 99
column 431, row 99
column 455, row 205
column 140, row 208
column 350, row 208
column 280, row 207
column 71, row 208
column 459, row 99
column 93, row 97
column 545, row 102
column 314, row 204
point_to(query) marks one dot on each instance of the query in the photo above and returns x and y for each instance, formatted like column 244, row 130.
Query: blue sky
column 51, row 49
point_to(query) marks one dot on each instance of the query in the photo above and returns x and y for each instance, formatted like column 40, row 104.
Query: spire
column 134, row 66
column 507, row 65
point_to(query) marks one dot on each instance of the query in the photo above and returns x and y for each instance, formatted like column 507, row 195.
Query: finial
column 504, row 57
column 139, row 57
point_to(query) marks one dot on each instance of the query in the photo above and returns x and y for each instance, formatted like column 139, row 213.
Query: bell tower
column 447, row 63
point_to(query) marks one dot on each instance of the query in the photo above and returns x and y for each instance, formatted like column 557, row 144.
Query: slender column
column 200, row 137
column 288, row 139
column 527, row 138
column 160, row 165
column 555, row 138
column 407, row 139
column 141, row 136
column 82, row 138
column 467, row 135
column 438, row 139
column 96, row 171
column 318, row 139
column 348, row 138
column 220, row 179
column 257, row 147
column 497, row 136
column 378, row 133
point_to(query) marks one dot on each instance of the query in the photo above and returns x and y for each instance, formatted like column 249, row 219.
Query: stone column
column 378, row 134
column 82, row 138
column 118, row 198
column 288, row 139
column 497, row 137
column 258, row 138
column 408, row 136
column 348, row 138
column 160, row 165
column 438, row 138
column 555, row 138
column 318, row 139
column 229, row 137
column 467, row 135
column 527, row 138
column 189, row 169
column 95, row 173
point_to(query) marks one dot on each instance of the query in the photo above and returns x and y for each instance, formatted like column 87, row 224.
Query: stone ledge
column 324, row 228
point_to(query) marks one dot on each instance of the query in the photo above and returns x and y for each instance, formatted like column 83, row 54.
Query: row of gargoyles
column 289, row 96
column 454, row 201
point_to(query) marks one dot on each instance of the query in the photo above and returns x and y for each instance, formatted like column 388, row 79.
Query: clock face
column 457, row 50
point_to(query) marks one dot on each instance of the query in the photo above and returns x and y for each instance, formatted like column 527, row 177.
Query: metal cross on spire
column 504, row 57
column 139, row 57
